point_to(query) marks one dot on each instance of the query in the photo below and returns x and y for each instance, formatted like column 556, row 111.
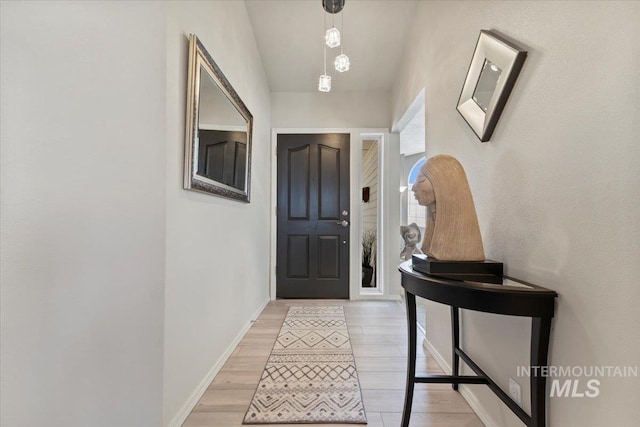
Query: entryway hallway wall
column 556, row 188
column 121, row 292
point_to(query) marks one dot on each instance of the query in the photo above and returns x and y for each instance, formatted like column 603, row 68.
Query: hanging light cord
column 342, row 31
column 325, row 59
column 325, row 44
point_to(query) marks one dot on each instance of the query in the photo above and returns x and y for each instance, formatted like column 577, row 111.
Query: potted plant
column 368, row 257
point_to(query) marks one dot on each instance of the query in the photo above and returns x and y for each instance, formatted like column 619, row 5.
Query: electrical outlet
column 515, row 392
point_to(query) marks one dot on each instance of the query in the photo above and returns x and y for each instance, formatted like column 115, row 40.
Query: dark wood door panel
column 298, row 256
column 298, row 180
column 313, row 190
column 240, row 170
column 221, row 156
column 329, row 178
column 329, row 257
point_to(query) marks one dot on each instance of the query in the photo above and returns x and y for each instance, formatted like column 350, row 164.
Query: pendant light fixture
column 332, row 36
column 333, row 6
column 324, row 83
column 342, row 61
column 332, row 39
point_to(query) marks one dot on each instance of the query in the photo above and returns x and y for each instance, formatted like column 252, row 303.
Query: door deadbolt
column 345, row 212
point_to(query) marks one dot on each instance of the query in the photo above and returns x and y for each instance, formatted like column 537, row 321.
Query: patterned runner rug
column 311, row 374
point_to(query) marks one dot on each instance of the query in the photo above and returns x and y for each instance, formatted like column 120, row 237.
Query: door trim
column 381, row 246
column 354, row 184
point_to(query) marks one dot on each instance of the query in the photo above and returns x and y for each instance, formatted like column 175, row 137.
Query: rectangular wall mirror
column 492, row 74
column 219, row 130
column 369, row 213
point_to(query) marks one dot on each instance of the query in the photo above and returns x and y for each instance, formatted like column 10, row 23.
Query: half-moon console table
column 513, row 298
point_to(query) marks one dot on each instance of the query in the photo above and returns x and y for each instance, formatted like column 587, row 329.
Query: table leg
column 411, row 358
column 455, row 340
column 540, row 333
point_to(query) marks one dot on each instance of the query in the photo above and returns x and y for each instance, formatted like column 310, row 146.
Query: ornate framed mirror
column 218, row 131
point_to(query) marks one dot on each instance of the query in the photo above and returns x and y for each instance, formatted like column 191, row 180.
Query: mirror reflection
column 219, row 131
column 222, row 136
column 487, row 83
column 369, row 213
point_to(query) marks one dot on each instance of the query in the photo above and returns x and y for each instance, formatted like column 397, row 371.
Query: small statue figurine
column 452, row 232
column 411, row 236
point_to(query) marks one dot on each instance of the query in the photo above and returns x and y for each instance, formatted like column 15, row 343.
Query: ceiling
column 290, row 37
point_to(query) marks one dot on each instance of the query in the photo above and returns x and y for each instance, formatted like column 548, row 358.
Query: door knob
column 343, row 223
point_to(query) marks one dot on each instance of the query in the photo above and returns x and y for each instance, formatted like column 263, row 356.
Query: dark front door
column 313, row 216
column 222, row 156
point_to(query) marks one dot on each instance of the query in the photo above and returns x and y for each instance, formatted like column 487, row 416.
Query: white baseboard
column 191, row 402
column 465, row 391
column 477, row 407
column 436, row 355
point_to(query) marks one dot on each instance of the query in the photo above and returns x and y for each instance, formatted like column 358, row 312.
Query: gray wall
column 330, row 110
column 211, row 291
column 556, row 188
column 121, row 292
column 83, row 213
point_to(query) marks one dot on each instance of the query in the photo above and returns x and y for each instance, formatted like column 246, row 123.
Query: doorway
column 313, row 216
column 412, row 130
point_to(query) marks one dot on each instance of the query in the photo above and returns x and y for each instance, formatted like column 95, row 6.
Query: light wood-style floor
column 379, row 341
